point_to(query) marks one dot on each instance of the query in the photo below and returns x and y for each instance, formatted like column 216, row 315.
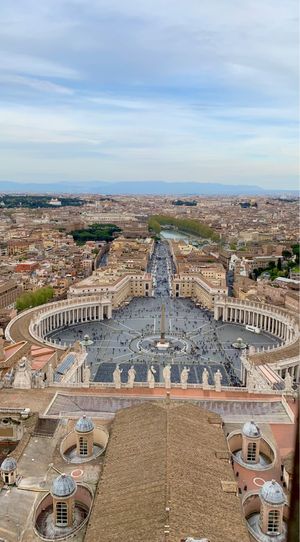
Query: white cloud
column 158, row 89
column 34, row 65
column 33, row 83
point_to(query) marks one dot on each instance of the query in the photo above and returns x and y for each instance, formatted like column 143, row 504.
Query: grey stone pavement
column 197, row 340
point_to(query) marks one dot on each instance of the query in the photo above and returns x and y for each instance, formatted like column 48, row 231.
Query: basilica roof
column 167, row 464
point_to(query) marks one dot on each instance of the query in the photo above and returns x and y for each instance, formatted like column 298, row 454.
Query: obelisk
column 163, row 344
column 163, row 324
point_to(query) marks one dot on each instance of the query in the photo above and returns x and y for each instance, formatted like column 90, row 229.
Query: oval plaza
column 162, row 409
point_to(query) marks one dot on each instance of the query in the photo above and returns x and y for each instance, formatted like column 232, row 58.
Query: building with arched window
column 84, row 429
column 271, row 509
column 64, row 510
column 8, row 470
column 63, row 491
column 266, row 513
column 250, row 448
column 251, row 437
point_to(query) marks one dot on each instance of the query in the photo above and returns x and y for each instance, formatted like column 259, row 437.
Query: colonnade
column 293, row 370
column 278, row 324
column 270, row 319
column 51, row 320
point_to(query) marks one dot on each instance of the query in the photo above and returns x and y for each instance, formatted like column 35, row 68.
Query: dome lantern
column 8, row 470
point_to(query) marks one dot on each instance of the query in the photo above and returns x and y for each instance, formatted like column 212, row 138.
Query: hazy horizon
column 132, row 91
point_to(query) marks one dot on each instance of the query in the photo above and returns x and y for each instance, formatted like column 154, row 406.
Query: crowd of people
column 196, row 339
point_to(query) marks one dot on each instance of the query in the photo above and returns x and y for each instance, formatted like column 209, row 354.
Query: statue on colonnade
column 117, row 377
column 184, row 377
column 150, row 376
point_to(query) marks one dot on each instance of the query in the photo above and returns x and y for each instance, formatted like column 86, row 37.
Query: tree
column 95, row 232
column 279, row 264
column 286, row 254
column 183, row 224
column 35, row 298
column 271, row 265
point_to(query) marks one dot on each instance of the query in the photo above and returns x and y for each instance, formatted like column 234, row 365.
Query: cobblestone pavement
column 197, row 340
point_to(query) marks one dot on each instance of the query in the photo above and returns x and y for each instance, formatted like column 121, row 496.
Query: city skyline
column 132, row 92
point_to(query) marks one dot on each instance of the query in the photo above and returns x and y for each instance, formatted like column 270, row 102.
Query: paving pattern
column 130, row 336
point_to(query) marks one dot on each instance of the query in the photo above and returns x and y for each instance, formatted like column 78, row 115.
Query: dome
column 84, row 425
column 63, row 486
column 250, row 429
column 8, row 464
column 272, row 493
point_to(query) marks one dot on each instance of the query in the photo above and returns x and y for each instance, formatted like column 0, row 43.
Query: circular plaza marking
column 148, row 345
column 258, row 481
column 77, row 473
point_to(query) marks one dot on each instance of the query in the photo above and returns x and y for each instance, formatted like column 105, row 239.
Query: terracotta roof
column 159, row 456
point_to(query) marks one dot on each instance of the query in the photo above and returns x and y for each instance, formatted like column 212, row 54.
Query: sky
column 142, row 90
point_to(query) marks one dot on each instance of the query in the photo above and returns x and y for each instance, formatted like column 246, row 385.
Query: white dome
column 63, row 486
column 84, row 425
column 272, row 493
column 9, row 464
column 250, row 429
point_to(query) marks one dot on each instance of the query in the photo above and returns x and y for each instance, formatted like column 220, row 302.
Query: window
column 273, row 521
column 83, row 448
column 61, row 514
column 251, row 453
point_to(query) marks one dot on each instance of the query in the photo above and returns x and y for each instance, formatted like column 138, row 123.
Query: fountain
column 239, row 344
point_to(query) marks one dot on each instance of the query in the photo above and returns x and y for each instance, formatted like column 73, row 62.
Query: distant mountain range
column 156, row 188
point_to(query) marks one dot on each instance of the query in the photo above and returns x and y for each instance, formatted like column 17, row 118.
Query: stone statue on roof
column 39, row 383
column 167, row 375
column 77, row 347
column 288, row 382
column 50, row 374
column 23, row 375
column 150, row 376
column 205, row 376
column 86, row 374
column 131, row 376
column 218, row 378
column 184, row 377
column 117, row 377
column 2, row 354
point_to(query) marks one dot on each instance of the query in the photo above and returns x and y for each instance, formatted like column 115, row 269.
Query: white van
column 253, row 329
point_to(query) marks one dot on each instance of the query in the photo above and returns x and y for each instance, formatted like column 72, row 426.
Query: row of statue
column 184, row 375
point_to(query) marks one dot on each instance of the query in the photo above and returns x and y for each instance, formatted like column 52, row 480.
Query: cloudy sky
column 149, row 90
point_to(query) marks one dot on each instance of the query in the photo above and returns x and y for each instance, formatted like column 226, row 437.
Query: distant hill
column 140, row 188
